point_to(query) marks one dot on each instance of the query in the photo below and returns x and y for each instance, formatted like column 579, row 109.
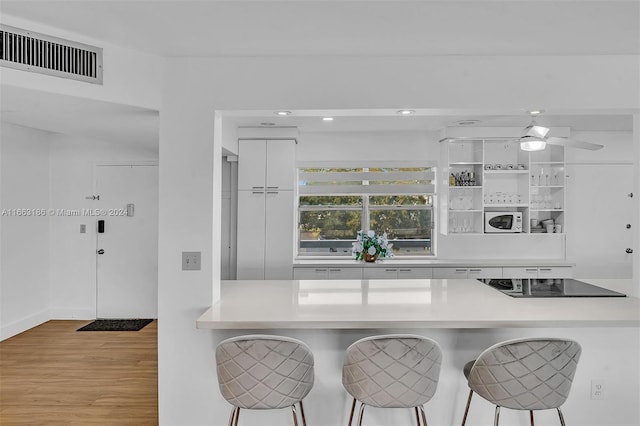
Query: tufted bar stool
column 392, row 371
column 264, row 372
column 524, row 374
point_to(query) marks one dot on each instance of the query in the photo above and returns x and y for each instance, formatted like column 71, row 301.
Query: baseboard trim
column 72, row 314
column 17, row 327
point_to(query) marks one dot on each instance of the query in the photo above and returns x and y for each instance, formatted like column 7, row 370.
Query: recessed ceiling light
column 406, row 112
column 535, row 111
column 283, row 113
column 327, row 118
column 267, row 123
column 467, row 122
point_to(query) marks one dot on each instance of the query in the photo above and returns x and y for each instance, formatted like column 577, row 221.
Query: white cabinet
column 537, row 272
column 397, row 273
column 345, row 273
column 468, row 272
column 449, row 273
column 484, row 272
column 326, row 273
column 266, row 176
column 266, row 164
column 412, row 273
column 320, row 273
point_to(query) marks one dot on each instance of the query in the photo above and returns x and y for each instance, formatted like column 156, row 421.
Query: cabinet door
column 281, row 159
column 278, row 254
column 380, row 273
column 307, row 273
column 555, row 272
column 414, row 273
column 252, row 160
column 450, row 273
column 251, row 235
column 495, row 272
column 345, row 273
column 520, row 272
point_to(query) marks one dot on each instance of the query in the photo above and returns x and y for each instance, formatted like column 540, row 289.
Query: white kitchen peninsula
column 464, row 316
column 411, row 303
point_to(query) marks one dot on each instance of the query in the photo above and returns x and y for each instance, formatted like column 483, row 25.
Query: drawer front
column 555, row 272
column 447, row 273
column 520, row 272
column 486, row 272
column 310, row 273
column 415, row 273
column 380, row 273
column 345, row 273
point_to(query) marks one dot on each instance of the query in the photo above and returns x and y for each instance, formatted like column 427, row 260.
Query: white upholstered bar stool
column 392, row 371
column 264, row 372
column 524, row 374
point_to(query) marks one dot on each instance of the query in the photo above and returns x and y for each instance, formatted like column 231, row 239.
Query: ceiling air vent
column 29, row 51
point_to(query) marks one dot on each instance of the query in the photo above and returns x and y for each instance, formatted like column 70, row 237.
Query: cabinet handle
column 531, row 270
column 257, row 192
column 272, row 192
column 405, row 270
column 461, row 270
column 273, row 187
column 475, row 270
column 545, row 269
column 390, row 270
column 335, row 270
column 257, row 187
column 321, row 270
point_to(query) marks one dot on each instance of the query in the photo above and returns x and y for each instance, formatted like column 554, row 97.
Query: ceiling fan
column 535, row 138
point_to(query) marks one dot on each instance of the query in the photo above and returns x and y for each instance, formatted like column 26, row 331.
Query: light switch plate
column 83, row 228
column 191, row 260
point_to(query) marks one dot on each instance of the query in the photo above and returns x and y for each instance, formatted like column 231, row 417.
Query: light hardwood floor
column 53, row 375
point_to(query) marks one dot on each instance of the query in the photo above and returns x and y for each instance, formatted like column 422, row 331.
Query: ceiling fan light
column 532, row 144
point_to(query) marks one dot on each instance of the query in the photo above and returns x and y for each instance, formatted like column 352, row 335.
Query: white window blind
column 367, row 181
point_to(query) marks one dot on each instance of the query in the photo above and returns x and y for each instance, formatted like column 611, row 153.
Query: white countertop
column 331, row 262
column 419, row 303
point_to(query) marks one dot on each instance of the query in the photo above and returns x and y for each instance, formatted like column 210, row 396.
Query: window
column 335, row 203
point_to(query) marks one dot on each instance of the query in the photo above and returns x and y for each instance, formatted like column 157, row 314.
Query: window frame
column 366, row 208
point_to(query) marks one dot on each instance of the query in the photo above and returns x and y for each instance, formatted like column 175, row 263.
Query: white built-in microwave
column 502, row 222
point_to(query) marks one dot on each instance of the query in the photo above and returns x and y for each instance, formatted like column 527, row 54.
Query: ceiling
column 320, row 27
column 333, row 27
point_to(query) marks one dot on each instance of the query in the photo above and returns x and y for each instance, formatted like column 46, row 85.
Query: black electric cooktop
column 548, row 287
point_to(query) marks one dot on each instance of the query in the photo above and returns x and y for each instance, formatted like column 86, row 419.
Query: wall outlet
column 190, row 260
column 597, row 389
column 83, row 228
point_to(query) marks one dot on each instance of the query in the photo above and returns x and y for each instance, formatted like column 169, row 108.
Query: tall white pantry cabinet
column 266, row 179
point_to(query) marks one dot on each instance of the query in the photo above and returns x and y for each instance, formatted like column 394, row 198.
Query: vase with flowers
column 370, row 247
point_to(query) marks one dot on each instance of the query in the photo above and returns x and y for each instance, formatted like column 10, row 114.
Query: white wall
column 73, row 259
column 195, row 88
column 24, row 263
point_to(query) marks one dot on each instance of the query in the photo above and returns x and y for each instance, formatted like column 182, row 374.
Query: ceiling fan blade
column 572, row 143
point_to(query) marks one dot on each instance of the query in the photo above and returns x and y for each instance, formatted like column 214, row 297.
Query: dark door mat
column 116, row 325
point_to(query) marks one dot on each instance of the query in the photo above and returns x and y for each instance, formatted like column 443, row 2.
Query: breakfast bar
column 464, row 316
column 412, row 303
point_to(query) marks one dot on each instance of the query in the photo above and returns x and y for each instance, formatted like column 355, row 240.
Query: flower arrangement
column 369, row 246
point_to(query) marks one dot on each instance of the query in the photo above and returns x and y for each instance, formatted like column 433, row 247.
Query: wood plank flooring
column 53, row 375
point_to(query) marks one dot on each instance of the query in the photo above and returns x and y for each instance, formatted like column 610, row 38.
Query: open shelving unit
column 494, row 175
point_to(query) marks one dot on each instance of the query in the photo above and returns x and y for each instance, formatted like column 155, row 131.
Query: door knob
column 629, row 250
column 628, row 226
column 101, row 251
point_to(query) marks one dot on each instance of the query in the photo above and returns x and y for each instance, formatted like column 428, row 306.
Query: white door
column 598, row 211
column 127, row 250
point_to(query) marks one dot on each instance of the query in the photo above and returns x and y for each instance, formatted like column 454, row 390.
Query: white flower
column 371, row 233
column 372, row 250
